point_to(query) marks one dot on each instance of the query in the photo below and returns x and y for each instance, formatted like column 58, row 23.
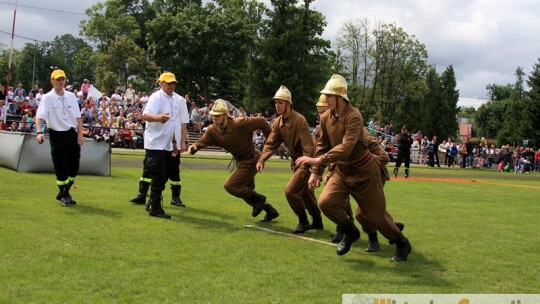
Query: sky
column 484, row 40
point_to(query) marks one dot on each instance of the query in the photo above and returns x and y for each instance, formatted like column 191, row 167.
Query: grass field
column 472, row 232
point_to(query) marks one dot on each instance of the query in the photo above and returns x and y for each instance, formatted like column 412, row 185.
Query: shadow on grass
column 204, row 212
column 87, row 209
column 205, row 221
column 418, row 270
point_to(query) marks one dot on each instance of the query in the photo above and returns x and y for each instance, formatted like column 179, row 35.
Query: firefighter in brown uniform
column 292, row 129
column 355, row 171
column 235, row 136
column 382, row 158
column 376, row 149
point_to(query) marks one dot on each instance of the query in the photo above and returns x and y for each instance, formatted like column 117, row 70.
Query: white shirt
column 158, row 136
column 59, row 112
column 130, row 93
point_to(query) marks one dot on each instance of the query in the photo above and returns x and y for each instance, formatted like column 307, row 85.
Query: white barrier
column 21, row 152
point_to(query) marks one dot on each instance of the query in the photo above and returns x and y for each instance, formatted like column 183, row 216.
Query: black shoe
column 159, row 213
column 352, row 234
column 317, row 224
column 139, row 199
column 271, row 213
column 258, row 203
column 301, row 228
column 176, row 201
column 373, row 246
column 67, row 201
column 403, row 248
column 337, row 237
column 400, row 225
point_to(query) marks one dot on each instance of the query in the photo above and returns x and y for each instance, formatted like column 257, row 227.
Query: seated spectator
column 24, row 126
column 32, row 101
column 25, row 106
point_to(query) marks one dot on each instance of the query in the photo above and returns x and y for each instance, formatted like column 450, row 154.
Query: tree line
column 243, row 50
column 512, row 114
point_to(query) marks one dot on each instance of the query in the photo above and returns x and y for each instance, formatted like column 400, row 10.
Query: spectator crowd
column 117, row 119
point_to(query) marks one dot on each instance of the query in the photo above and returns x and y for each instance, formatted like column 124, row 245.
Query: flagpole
column 11, row 51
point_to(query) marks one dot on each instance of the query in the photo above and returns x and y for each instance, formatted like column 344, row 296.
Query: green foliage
column 488, row 118
column 113, row 72
column 108, row 20
column 292, row 53
column 451, row 98
column 205, row 46
column 512, row 115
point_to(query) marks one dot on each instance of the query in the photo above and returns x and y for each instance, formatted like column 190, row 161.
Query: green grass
column 467, row 238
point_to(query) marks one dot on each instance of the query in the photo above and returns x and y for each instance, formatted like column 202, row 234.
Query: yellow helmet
column 322, row 101
column 284, row 94
column 337, row 85
column 220, row 107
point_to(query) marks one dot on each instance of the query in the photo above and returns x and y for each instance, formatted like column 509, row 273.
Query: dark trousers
column 173, row 170
column 66, row 153
column 157, row 164
column 403, row 156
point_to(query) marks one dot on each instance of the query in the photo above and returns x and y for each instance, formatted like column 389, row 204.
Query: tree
column 293, row 54
column 205, row 46
column 355, row 42
column 488, row 117
column 400, row 66
column 108, row 20
column 451, row 98
column 533, row 104
column 436, row 106
column 134, row 66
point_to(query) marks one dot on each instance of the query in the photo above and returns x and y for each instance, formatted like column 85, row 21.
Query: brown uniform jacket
column 236, row 137
column 294, row 133
column 342, row 138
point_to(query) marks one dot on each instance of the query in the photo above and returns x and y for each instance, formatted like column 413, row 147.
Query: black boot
column 303, row 224
column 176, row 200
column 155, row 206
column 140, row 198
column 351, row 235
column 403, row 248
column 317, row 223
column 59, row 195
column 65, row 198
column 271, row 213
column 373, row 243
column 400, row 225
column 338, row 236
column 396, row 172
column 406, row 173
column 257, row 201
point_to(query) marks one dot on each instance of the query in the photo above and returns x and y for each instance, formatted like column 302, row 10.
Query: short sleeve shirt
column 59, row 112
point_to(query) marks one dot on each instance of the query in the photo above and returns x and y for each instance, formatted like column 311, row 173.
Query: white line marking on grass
column 291, row 235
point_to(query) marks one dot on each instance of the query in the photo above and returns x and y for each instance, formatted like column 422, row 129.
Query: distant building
column 465, row 129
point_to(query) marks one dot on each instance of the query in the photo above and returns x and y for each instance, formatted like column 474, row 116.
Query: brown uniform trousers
column 296, row 136
column 237, row 139
column 354, row 171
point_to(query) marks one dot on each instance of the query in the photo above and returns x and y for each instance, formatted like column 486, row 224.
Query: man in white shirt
column 39, row 96
column 166, row 119
column 116, row 99
column 60, row 110
column 32, row 101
